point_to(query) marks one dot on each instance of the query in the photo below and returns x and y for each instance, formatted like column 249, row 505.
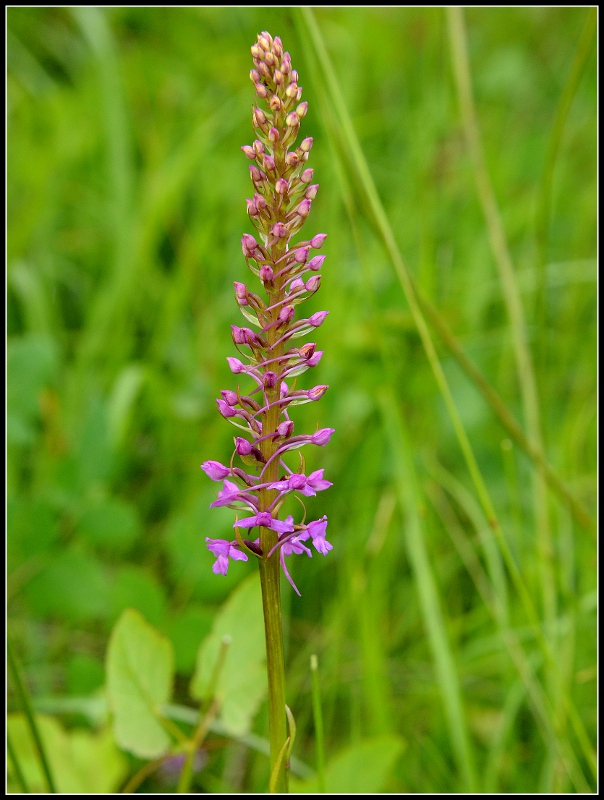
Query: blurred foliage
column 125, row 192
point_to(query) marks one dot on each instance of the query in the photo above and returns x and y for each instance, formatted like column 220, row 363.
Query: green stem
column 318, row 715
column 27, row 708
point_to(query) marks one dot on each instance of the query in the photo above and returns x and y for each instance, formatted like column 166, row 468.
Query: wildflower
column 280, row 205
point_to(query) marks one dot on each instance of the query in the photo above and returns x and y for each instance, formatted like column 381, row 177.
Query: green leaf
column 186, row 631
column 140, row 670
column 137, row 588
column 242, row 682
column 361, row 769
column 82, row 762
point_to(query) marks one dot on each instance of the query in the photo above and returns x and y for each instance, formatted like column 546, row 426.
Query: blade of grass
column 318, row 718
column 309, row 26
column 511, row 293
column 25, row 699
column 539, row 702
column 19, row 775
column 446, row 670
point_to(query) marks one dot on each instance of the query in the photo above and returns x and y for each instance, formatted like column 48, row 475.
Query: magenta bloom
column 224, row 550
column 258, row 477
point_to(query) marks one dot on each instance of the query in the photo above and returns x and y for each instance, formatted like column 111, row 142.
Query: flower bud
column 225, row 409
column 248, row 244
column 268, row 163
column 273, row 134
column 286, row 314
column 264, row 41
column 270, row 380
column 254, row 75
column 315, row 358
column 291, row 91
column 311, row 192
column 229, row 397
column 249, row 151
column 274, row 103
column 296, row 285
column 294, row 76
column 312, row 284
column 317, row 240
column 322, row 436
column 270, row 59
column 242, row 446
column 281, row 186
column 306, row 176
column 285, row 429
column 303, row 209
column 317, row 318
column 278, row 77
column 292, row 120
column 235, row 365
column 260, row 201
column 307, row 350
column 238, row 335
column 261, row 90
column 252, row 207
column 256, row 51
column 302, row 109
column 241, row 293
column 301, row 256
column 306, row 144
column 264, row 70
column 215, row 470
column 266, row 273
column 317, row 392
column 258, row 147
column 256, row 174
column 292, row 159
column 259, row 117
column 286, row 63
column 316, row 262
column 279, row 230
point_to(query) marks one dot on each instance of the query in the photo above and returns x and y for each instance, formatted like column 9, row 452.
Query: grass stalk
column 25, row 699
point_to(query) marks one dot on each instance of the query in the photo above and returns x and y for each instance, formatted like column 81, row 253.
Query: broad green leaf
column 242, row 682
column 140, row 670
column 361, row 769
column 81, row 762
column 186, row 631
column 135, row 587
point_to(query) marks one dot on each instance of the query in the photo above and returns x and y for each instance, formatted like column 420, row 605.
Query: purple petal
column 281, row 526
column 322, row 545
column 287, row 575
column 237, row 555
column 248, row 522
column 215, row 470
column 218, row 547
column 221, row 565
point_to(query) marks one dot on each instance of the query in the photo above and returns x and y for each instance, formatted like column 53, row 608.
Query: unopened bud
column 316, row 263
column 292, row 159
column 279, row 230
column 275, row 103
column 259, row 118
column 292, row 120
column 315, row 358
column 266, row 273
column 260, row 201
column 291, row 91
column 270, row 59
column 270, row 380
column 317, row 392
column 322, row 436
column 241, row 293
column 248, row 244
column 256, row 51
column 252, row 208
column 311, row 192
column 296, row 285
column 286, row 314
column 256, row 175
column 249, row 151
column 225, row 409
column 269, row 163
column 258, row 147
column 306, row 176
column 302, row 109
column 301, row 256
column 254, row 75
column 261, row 90
column 306, row 144
column 285, row 429
column 303, row 209
column 273, row 133
column 307, row 350
column 281, row 186
column 242, row 446
column 229, row 397
column 294, row 76
column 312, row 284
column 235, row 365
column 264, row 41
column 278, row 77
column 317, row 318
column 317, row 240
column 238, row 335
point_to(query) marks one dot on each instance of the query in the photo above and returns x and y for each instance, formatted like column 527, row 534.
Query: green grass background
column 126, row 205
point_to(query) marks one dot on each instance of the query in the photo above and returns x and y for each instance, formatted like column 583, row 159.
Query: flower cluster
column 289, row 273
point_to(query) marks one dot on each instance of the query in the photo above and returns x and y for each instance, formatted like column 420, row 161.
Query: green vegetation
column 454, row 621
